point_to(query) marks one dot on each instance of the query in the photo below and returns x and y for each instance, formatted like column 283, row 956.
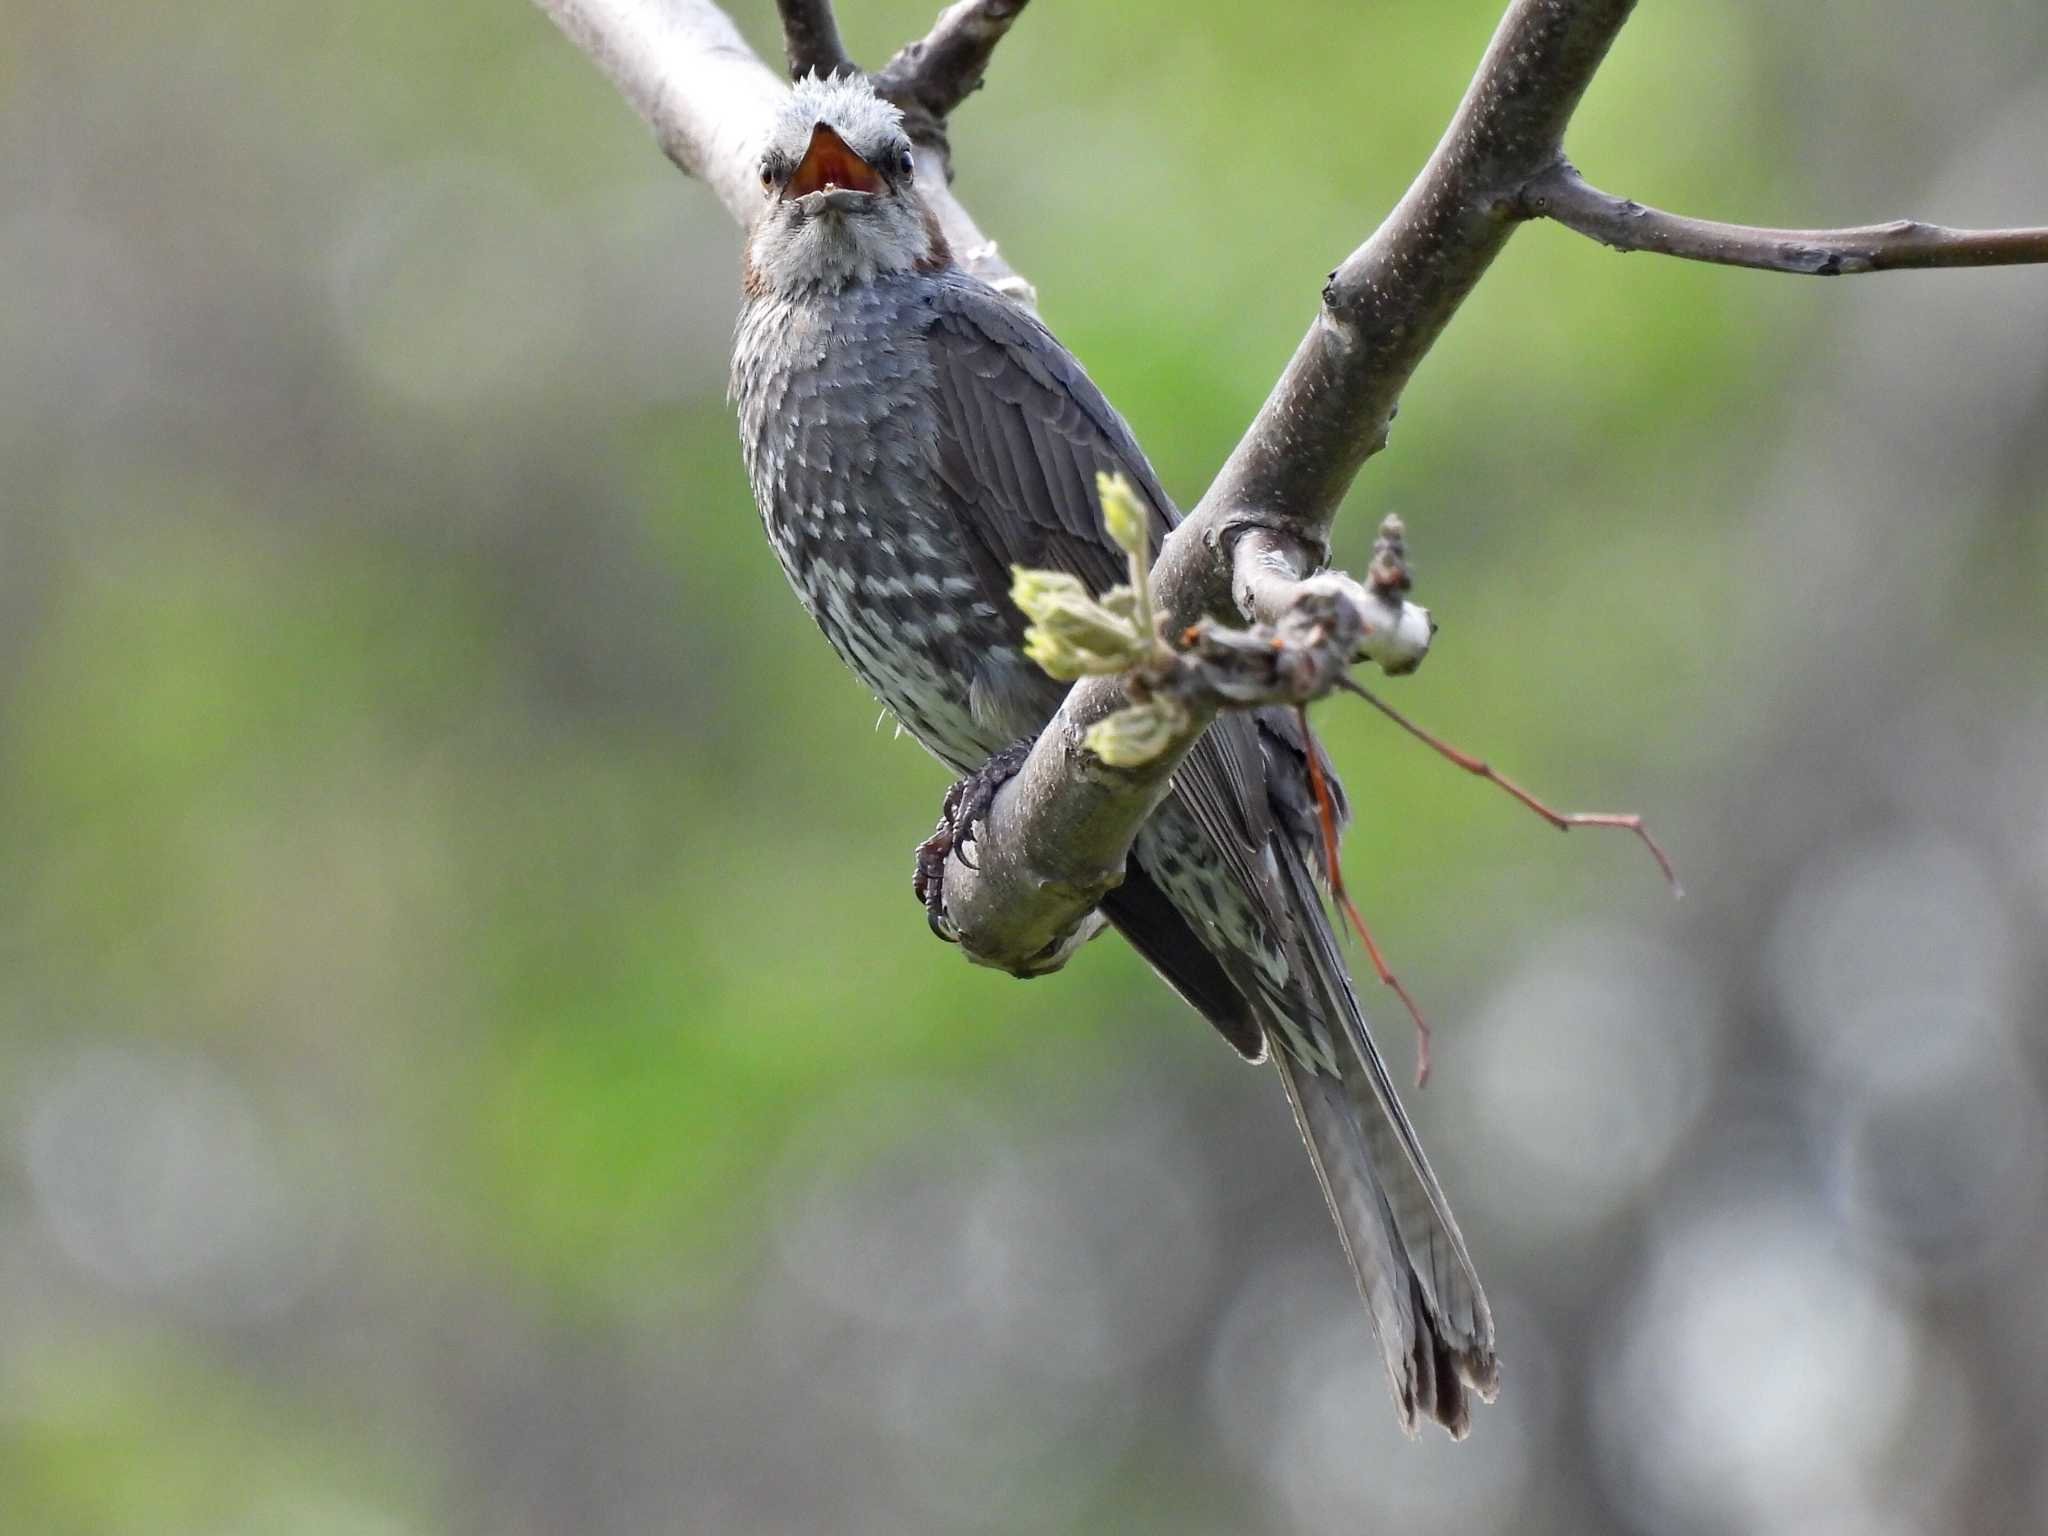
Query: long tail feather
column 1435, row 1329
column 1431, row 1360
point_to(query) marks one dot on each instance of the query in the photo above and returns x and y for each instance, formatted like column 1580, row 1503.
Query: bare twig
column 1326, row 819
column 932, row 76
column 1560, row 193
column 1564, row 821
column 810, row 38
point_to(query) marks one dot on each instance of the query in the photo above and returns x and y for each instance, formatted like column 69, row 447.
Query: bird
column 910, row 434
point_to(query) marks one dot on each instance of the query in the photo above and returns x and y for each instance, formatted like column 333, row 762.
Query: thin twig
column 1326, row 815
column 1561, row 194
column 810, row 38
column 1564, row 821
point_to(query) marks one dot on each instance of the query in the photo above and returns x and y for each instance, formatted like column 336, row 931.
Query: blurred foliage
column 408, row 746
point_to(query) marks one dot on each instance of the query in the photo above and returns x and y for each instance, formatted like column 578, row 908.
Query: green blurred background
column 469, row 1058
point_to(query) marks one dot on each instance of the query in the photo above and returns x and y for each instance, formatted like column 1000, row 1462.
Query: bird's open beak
column 830, row 166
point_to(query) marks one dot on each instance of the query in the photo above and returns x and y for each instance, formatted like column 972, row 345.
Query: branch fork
column 1057, row 835
column 1254, row 547
column 1321, row 627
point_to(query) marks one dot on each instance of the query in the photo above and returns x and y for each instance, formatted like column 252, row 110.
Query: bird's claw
column 967, row 802
column 928, row 880
column 928, row 876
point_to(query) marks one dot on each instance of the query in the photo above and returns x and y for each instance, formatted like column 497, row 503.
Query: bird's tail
column 1434, row 1327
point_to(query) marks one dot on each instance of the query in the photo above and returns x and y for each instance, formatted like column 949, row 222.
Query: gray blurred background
column 469, row 1059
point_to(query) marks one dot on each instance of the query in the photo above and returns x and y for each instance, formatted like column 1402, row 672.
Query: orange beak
column 829, row 164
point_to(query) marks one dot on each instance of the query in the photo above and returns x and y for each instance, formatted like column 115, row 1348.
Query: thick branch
column 810, row 38
column 1056, row 839
column 1252, row 543
column 1562, row 194
column 1386, row 305
column 1058, row 834
column 683, row 66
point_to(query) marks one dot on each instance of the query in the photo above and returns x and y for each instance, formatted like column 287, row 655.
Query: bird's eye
column 905, row 161
column 767, row 175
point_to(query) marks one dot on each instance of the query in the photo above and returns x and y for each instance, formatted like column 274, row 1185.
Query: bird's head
column 840, row 195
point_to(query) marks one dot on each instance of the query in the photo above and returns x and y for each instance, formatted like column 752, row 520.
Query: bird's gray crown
column 872, row 127
column 841, row 203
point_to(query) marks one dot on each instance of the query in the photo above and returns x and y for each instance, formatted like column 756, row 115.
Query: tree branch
column 1256, row 537
column 1560, row 193
column 1059, row 832
column 935, row 74
column 1385, row 306
column 927, row 79
column 810, row 38
column 683, row 66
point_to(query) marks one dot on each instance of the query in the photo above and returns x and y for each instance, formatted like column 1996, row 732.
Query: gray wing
column 1022, row 433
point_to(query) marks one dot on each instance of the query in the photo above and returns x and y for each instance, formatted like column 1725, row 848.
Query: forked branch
column 927, row 78
column 1058, row 833
column 1256, row 544
column 683, row 66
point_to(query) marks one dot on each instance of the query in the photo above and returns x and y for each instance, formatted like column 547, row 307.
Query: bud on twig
column 1073, row 634
column 1329, row 622
column 1133, row 737
column 1122, row 513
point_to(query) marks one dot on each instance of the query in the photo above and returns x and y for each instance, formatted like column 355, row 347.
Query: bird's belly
column 838, row 431
column 907, row 617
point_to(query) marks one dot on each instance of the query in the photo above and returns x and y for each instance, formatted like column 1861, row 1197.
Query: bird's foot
column 966, row 802
column 928, row 876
